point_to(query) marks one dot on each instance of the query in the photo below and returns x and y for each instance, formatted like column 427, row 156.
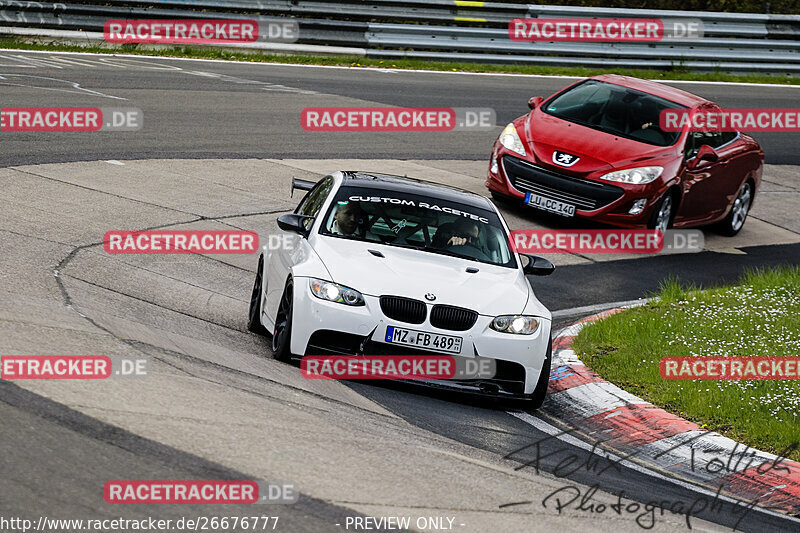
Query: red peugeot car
column 595, row 150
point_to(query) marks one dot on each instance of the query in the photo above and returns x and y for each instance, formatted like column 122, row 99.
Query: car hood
column 597, row 150
column 493, row 290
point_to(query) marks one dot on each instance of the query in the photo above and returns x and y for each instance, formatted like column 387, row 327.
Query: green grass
column 760, row 316
column 677, row 73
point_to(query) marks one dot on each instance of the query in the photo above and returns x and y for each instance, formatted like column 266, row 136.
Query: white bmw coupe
column 386, row 265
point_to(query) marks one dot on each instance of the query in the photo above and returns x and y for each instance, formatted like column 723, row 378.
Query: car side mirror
column 294, row 223
column 534, row 102
column 537, row 266
column 705, row 153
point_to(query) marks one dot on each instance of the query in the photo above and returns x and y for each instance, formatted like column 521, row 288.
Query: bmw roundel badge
column 430, row 297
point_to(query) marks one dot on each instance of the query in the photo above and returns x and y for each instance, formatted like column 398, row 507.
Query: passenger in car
column 461, row 232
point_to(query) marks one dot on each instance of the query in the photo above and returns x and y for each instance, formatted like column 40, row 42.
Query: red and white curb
column 660, row 441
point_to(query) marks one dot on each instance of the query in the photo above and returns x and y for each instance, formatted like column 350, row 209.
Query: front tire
column 282, row 336
column 254, row 314
column 540, row 392
column 663, row 214
column 734, row 222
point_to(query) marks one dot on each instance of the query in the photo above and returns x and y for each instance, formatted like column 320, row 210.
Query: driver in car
column 346, row 219
column 349, row 220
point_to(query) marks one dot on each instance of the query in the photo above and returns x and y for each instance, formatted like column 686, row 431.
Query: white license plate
column 423, row 339
column 547, row 204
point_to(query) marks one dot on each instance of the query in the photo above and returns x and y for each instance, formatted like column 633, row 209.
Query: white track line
column 593, row 309
column 387, row 70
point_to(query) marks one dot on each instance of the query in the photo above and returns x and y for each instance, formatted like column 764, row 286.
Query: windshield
column 616, row 110
column 419, row 222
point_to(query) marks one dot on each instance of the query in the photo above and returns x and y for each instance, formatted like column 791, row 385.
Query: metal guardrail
column 451, row 30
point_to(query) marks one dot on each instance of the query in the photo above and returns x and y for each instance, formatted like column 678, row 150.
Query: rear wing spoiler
column 303, row 185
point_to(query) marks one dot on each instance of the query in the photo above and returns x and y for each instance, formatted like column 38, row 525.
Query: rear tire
column 282, row 335
column 737, row 216
column 539, row 394
column 254, row 314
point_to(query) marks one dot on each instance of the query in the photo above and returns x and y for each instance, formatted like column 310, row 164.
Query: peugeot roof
column 655, row 88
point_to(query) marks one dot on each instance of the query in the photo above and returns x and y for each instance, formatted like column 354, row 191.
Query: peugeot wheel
column 662, row 216
column 734, row 222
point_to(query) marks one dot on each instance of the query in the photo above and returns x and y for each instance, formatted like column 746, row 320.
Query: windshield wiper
column 446, row 252
column 440, row 251
column 428, row 248
column 592, row 125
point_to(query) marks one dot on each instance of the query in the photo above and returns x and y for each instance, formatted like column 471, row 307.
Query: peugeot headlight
column 516, row 324
column 510, row 139
column 333, row 292
column 636, row 176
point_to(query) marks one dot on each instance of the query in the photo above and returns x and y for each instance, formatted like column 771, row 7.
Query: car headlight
column 637, row 176
column 510, row 139
column 517, row 324
column 333, row 292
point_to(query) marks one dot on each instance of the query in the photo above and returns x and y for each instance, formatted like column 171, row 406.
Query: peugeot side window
column 696, row 139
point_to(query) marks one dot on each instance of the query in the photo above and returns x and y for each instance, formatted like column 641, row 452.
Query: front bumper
column 601, row 202
column 320, row 327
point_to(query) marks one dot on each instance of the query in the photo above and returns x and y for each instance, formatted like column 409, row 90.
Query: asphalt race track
column 251, row 110
column 220, row 145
